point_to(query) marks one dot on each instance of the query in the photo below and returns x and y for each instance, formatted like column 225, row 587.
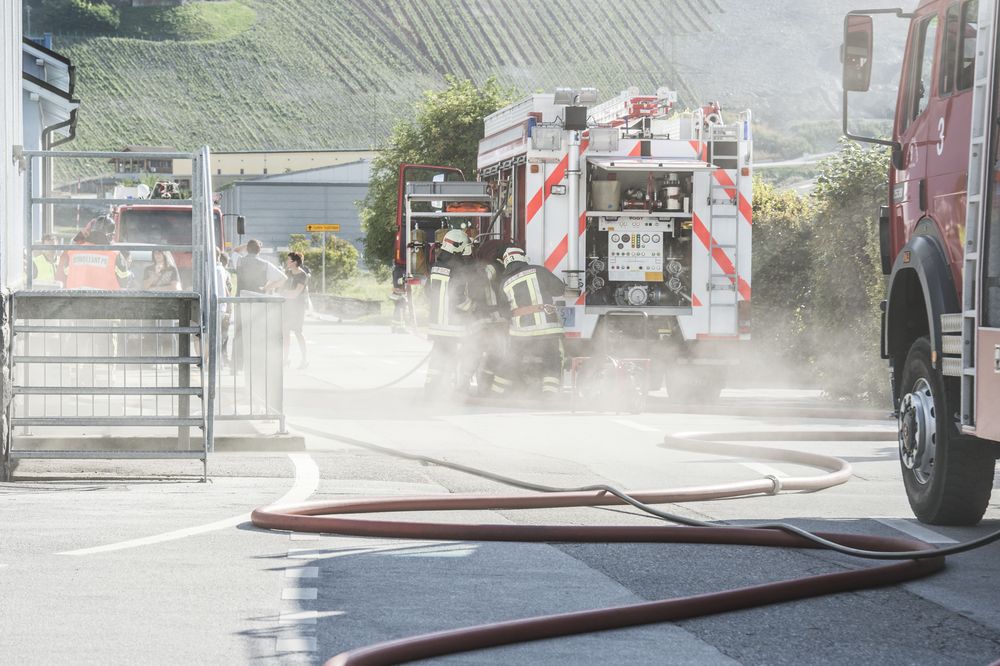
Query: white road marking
column 636, row 426
column 306, row 482
column 299, row 593
column 915, row 530
column 414, row 548
column 303, row 644
column 302, row 572
column 765, row 470
column 306, row 617
column 303, row 536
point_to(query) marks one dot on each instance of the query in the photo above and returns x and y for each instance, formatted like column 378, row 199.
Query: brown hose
column 326, row 518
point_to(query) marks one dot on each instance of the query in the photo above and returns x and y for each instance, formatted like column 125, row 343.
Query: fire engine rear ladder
column 978, row 189
column 726, row 197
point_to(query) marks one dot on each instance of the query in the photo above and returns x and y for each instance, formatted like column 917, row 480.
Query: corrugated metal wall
column 276, row 210
column 11, row 183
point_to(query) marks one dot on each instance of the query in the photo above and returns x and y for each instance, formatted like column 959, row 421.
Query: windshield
column 161, row 227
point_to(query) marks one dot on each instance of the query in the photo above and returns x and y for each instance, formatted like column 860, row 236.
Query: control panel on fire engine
column 635, row 247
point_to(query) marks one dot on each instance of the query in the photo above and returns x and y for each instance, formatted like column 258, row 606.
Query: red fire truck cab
column 161, row 225
column 940, row 247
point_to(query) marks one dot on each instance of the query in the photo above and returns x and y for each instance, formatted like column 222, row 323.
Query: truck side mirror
column 857, row 52
column 241, row 225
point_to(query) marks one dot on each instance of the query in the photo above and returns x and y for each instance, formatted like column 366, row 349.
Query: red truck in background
column 161, row 225
column 940, row 247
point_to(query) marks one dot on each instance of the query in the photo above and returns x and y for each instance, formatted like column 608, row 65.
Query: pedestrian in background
column 45, row 264
column 162, row 274
column 296, row 292
column 223, row 289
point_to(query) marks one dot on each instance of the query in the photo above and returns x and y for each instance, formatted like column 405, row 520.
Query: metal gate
column 119, row 362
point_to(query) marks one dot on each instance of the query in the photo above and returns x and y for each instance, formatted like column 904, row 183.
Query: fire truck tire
column 948, row 477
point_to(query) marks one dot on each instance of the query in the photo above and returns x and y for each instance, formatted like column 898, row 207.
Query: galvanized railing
column 117, row 359
column 250, row 380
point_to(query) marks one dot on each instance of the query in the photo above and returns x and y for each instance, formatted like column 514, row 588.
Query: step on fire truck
column 643, row 211
column 940, row 245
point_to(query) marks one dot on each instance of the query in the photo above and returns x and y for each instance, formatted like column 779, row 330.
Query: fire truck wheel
column 948, row 477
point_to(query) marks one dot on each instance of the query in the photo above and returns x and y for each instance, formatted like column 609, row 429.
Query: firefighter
column 45, row 263
column 535, row 327
column 96, row 269
column 450, row 308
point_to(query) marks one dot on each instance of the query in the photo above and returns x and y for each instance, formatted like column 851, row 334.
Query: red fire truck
column 940, row 246
column 643, row 211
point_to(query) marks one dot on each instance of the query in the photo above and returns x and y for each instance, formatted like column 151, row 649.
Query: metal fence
column 250, row 378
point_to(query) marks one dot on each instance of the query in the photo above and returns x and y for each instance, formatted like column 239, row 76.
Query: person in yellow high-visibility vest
column 44, row 263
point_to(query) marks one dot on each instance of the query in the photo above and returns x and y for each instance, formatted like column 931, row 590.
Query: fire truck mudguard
column 920, row 276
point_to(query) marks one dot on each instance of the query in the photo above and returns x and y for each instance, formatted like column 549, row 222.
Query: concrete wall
column 227, row 167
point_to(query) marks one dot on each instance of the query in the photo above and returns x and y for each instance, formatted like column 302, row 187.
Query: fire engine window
column 921, row 77
column 949, row 53
column 967, row 48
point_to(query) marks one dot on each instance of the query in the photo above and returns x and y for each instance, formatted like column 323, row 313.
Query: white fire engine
column 641, row 209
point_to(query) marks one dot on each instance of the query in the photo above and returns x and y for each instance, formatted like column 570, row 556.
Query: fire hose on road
column 909, row 559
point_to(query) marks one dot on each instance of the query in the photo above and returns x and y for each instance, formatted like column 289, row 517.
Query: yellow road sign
column 322, row 227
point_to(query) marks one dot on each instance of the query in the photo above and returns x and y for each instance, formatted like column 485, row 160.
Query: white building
column 11, row 132
column 49, row 111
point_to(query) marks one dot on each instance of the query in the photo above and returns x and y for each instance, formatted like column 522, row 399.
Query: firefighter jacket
column 529, row 291
column 95, row 269
column 448, row 295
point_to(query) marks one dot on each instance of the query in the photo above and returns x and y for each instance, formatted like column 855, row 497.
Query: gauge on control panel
column 645, row 238
column 656, row 238
column 625, row 238
column 614, row 238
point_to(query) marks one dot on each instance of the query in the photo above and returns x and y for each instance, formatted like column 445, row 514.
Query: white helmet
column 456, row 241
column 513, row 254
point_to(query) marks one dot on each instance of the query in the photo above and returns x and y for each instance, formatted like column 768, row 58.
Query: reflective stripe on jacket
column 448, row 298
column 529, row 287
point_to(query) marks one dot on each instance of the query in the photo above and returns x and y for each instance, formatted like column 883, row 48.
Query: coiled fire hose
column 914, row 559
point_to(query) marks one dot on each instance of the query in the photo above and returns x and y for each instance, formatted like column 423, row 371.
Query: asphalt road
column 138, row 562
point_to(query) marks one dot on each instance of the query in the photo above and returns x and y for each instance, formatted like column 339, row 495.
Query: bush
column 341, row 260
column 781, row 285
column 847, row 282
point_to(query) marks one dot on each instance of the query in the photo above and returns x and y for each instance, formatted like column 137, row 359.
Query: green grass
column 311, row 74
column 195, row 22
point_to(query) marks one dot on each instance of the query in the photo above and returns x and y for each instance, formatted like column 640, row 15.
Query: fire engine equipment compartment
column 638, row 234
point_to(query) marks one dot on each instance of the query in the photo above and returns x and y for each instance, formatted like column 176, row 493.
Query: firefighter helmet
column 105, row 224
column 513, row 254
column 456, row 241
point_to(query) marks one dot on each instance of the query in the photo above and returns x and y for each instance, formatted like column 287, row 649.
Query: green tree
column 446, row 130
column 341, row 260
column 847, row 282
column 87, row 16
